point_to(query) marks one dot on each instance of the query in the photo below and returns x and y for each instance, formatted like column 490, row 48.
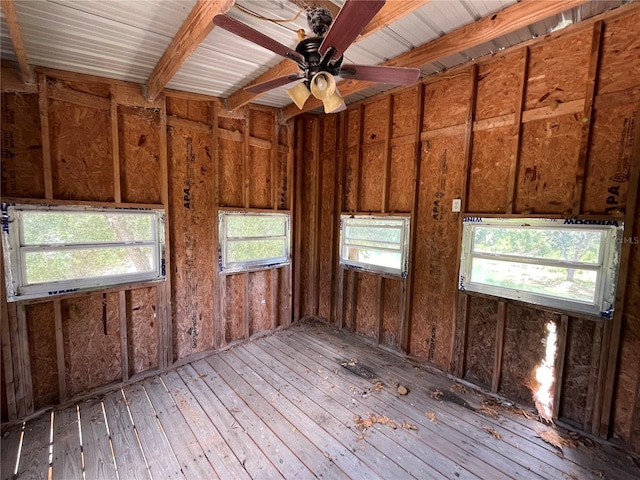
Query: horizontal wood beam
column 192, row 32
column 508, row 20
column 392, row 11
column 15, row 33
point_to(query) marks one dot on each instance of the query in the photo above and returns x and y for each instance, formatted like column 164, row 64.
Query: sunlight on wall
column 545, row 375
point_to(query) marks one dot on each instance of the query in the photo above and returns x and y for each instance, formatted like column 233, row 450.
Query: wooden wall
column 73, row 138
column 548, row 128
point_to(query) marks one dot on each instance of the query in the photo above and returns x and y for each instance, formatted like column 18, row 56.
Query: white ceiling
column 124, row 39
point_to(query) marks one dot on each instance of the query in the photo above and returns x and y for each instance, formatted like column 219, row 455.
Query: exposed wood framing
column 406, row 312
column 15, row 33
column 595, row 379
column 44, row 132
column 386, row 172
column 315, row 214
column 7, row 352
column 115, row 148
column 192, row 32
column 497, row 358
column 246, row 179
column 338, row 207
column 587, row 117
column 353, row 300
column 124, row 300
column 297, row 220
column 62, row 373
column 380, row 309
column 517, row 132
column 287, row 295
column 218, row 279
column 24, row 361
column 559, row 364
column 460, row 357
column 275, row 204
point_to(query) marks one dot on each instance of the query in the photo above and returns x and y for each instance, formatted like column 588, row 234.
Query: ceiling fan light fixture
column 299, row 94
column 323, row 87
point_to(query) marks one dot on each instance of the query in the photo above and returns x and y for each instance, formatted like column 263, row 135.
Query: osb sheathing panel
column 577, row 369
column 231, row 164
column 260, row 300
column 548, row 163
column 192, row 224
column 81, row 152
column 22, row 167
column 524, row 350
column 446, row 102
column 283, row 180
column 142, row 330
column 375, row 121
column 435, row 275
column 327, row 224
column 262, row 124
column 607, row 174
column 620, row 55
column 304, row 230
column 558, row 70
column 91, row 332
column 367, row 304
column 97, row 89
column 391, row 312
column 404, row 113
column 259, row 171
column 401, row 178
column 497, row 90
column 329, row 128
column 351, row 180
column 42, row 351
column 139, row 144
column 492, row 156
column 353, row 127
column 371, row 177
column 481, row 340
column 625, row 399
column 196, row 110
column 233, row 313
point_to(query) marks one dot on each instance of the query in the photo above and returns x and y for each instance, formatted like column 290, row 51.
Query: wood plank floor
column 308, row 402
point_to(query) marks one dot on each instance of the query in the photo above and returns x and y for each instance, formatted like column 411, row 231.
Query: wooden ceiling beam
column 508, row 20
column 392, row 11
column 11, row 17
column 192, row 32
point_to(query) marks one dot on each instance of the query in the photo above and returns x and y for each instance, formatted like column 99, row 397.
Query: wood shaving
column 436, row 394
column 494, row 433
column 554, row 438
column 431, row 416
column 408, row 426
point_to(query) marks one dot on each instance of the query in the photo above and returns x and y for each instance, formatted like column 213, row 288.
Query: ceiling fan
column 320, row 57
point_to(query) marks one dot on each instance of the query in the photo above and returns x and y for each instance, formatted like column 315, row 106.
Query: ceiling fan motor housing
column 308, row 48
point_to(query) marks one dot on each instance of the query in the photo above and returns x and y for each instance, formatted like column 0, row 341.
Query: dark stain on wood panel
column 259, row 300
column 481, row 340
column 22, row 168
column 42, row 349
column 139, row 141
column 375, row 121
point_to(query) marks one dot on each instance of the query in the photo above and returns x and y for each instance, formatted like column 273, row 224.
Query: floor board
column 307, row 402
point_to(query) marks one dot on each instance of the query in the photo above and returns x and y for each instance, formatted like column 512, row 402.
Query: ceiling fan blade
column 276, row 82
column 381, row 74
column 350, row 21
column 248, row 33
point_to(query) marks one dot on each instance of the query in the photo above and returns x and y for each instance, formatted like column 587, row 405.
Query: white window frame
column 227, row 266
column 606, row 266
column 404, row 225
column 14, row 252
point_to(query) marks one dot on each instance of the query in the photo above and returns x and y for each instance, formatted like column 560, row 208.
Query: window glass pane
column 56, row 265
column 41, row 228
column 373, row 235
column 248, row 250
column 575, row 284
column 553, row 244
column 374, row 257
column 254, row 226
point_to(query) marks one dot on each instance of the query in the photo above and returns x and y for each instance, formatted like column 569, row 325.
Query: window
column 375, row 243
column 566, row 264
column 52, row 249
column 251, row 241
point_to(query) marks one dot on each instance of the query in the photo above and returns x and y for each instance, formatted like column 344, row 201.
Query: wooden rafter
column 510, row 19
column 391, row 12
column 11, row 17
column 192, row 32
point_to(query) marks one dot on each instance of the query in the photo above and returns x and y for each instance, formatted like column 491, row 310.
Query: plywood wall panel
column 626, row 394
column 142, row 329
column 577, row 369
column 22, row 168
column 401, row 178
column 375, row 121
column 91, row 332
column 446, row 102
column 481, row 340
column 81, row 156
column 139, row 155
column 259, row 301
column 493, row 154
column 42, row 350
column 231, row 165
column 619, row 65
column 188, row 109
column 498, row 81
column 329, row 131
column 367, row 305
column 391, row 312
column 435, row 275
column 304, row 230
column 351, row 180
column 192, row 223
column 548, row 164
column 558, row 70
column 607, row 173
column 327, row 224
column 404, row 113
column 233, row 314
column 524, row 351
column 259, row 172
column 370, row 191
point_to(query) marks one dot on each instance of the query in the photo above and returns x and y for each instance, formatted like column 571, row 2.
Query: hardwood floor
column 308, row 402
